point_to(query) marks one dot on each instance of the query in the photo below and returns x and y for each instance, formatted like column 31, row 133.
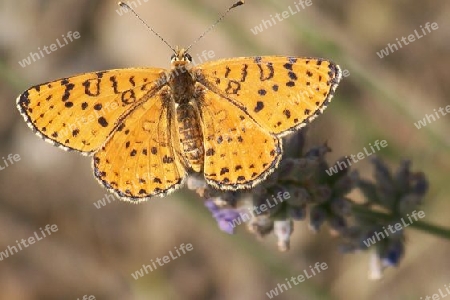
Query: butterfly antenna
column 239, row 3
column 127, row 7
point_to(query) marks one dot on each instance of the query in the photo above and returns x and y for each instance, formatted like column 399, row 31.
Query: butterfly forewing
column 280, row 93
column 80, row 112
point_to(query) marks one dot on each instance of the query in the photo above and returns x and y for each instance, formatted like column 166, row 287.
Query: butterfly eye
column 173, row 57
column 188, row 57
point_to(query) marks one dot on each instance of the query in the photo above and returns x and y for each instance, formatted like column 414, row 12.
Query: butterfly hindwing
column 139, row 160
column 80, row 112
column 281, row 94
column 238, row 152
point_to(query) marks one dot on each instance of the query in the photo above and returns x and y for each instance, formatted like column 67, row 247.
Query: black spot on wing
column 259, row 106
column 102, row 121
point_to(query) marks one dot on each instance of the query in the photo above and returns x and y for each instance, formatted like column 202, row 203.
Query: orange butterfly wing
column 141, row 158
column 249, row 103
column 281, row 94
column 239, row 153
column 80, row 112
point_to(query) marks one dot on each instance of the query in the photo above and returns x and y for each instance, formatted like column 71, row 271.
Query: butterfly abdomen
column 191, row 137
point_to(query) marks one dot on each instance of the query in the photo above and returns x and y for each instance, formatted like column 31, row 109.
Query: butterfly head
column 180, row 57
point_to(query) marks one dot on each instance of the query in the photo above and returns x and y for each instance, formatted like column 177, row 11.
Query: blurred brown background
column 95, row 250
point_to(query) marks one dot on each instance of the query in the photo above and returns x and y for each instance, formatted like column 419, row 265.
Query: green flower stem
column 366, row 212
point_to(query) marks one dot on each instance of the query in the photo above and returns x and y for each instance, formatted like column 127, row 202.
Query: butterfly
column 147, row 128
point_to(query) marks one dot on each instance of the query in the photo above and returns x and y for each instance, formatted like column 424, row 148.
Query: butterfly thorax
column 182, row 86
column 181, row 81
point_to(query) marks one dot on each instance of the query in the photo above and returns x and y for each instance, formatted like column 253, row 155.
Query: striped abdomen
column 191, row 137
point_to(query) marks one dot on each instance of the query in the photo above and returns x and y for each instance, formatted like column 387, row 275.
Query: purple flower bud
column 317, row 217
